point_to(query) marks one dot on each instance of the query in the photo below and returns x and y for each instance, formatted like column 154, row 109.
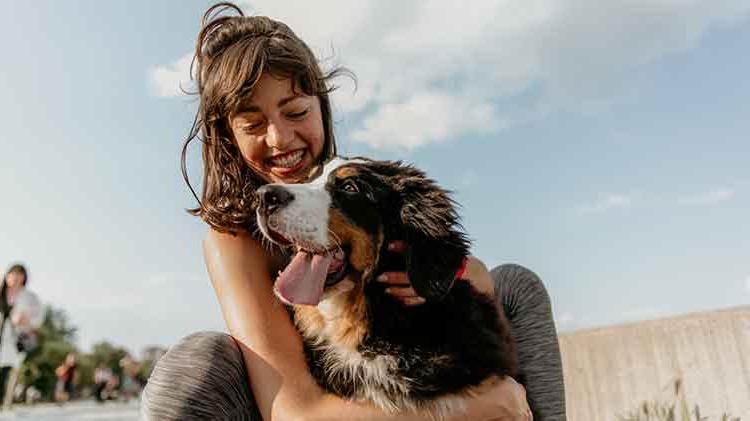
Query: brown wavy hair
column 15, row 268
column 231, row 54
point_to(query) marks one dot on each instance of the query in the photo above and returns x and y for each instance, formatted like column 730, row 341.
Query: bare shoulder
column 230, row 255
column 478, row 275
column 218, row 241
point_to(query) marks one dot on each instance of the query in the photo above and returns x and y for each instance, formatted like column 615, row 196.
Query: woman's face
column 14, row 279
column 278, row 131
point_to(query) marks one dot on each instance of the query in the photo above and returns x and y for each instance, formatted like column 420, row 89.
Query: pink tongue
column 302, row 281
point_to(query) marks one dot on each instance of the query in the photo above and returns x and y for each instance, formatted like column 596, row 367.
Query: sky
column 604, row 145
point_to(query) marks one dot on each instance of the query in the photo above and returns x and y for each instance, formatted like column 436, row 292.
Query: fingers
column 401, row 292
column 394, row 278
column 412, row 301
column 400, row 288
column 406, row 295
column 397, row 246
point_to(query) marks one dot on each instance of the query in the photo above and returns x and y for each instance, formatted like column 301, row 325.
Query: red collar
column 461, row 270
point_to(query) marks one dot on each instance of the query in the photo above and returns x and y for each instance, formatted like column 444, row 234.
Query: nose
column 272, row 197
column 279, row 134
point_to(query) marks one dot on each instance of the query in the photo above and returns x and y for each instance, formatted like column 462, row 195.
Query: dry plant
column 677, row 409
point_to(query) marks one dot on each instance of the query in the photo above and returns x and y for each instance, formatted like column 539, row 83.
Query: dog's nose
column 272, row 197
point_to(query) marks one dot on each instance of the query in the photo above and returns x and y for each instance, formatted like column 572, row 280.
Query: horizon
column 605, row 148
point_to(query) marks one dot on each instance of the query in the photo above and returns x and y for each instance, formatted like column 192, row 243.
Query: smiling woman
column 265, row 113
column 278, row 130
column 265, row 116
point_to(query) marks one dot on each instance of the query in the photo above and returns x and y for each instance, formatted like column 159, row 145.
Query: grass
column 678, row 409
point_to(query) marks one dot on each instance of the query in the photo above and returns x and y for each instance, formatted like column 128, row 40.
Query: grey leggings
column 203, row 377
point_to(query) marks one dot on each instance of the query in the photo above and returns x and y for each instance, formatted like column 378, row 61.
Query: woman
column 265, row 116
column 20, row 313
column 66, row 378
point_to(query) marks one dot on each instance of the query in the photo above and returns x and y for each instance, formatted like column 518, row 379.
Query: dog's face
column 340, row 223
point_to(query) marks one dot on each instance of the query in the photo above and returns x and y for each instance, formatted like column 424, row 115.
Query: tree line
column 57, row 337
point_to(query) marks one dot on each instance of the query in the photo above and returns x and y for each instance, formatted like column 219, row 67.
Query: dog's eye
column 350, row 186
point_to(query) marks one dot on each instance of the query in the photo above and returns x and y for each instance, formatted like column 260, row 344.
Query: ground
column 74, row 411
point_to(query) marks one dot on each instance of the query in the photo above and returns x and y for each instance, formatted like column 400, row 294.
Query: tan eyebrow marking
column 347, row 171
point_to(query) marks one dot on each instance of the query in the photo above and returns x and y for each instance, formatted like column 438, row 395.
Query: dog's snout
column 272, row 197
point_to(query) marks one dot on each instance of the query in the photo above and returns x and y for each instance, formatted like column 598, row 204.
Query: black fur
column 444, row 346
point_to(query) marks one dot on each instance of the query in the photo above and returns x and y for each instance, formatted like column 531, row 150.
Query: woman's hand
column 400, row 288
column 398, row 283
column 498, row 400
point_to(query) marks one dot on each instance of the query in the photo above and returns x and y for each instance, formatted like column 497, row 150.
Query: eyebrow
column 252, row 108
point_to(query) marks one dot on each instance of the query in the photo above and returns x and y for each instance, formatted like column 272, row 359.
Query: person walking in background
column 130, row 387
column 66, row 377
column 20, row 316
column 102, row 377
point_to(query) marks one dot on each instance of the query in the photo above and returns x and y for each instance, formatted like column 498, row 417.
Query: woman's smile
column 289, row 165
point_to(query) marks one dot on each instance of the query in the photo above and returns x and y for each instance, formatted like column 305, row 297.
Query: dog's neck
column 340, row 318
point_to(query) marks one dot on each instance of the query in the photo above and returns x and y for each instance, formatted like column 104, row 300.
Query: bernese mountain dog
column 361, row 343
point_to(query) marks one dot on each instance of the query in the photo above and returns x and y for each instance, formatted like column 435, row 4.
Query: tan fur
column 345, row 172
column 339, row 318
column 362, row 256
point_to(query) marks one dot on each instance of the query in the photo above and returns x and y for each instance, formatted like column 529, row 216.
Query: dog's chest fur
column 418, row 358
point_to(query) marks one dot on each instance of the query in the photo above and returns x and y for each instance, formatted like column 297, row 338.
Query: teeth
column 309, row 248
column 288, row 160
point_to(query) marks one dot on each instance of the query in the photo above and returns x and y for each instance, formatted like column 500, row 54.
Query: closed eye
column 251, row 127
column 298, row 114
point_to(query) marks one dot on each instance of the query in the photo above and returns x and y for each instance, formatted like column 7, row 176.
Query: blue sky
column 602, row 144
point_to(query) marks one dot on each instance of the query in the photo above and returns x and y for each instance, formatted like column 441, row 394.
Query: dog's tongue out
column 303, row 279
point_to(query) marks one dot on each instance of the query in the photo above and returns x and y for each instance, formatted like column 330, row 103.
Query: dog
column 361, row 343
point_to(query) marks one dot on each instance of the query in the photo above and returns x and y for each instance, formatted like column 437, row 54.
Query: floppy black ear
column 433, row 234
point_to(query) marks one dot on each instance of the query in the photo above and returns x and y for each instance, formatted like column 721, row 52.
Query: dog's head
column 341, row 222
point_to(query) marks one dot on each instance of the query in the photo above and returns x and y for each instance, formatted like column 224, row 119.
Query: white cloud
column 172, row 79
column 606, row 203
column 577, row 55
column 426, row 118
column 709, row 198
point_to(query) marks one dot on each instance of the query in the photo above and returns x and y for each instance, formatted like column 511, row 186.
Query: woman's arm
column 239, row 269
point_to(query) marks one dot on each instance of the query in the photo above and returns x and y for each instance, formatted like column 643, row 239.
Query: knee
column 202, row 375
column 204, row 347
column 198, row 352
column 519, row 287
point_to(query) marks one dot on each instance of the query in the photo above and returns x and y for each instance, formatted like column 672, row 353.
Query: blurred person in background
column 130, row 387
column 21, row 314
column 102, row 377
column 66, row 377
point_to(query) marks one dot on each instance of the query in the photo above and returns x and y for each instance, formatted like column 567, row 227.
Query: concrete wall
column 609, row 371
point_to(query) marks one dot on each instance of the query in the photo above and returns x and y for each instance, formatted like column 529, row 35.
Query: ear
column 434, row 237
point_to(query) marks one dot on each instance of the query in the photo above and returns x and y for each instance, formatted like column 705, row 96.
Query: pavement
column 74, row 411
